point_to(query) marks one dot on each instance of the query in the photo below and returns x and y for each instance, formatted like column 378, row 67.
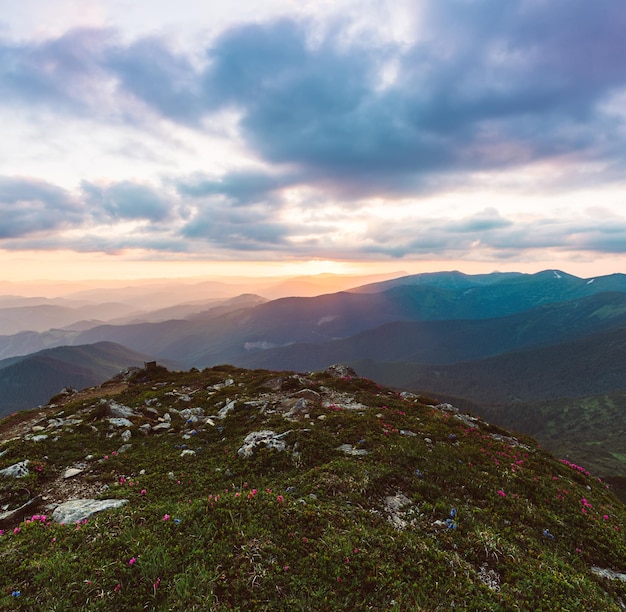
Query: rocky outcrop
column 77, row 510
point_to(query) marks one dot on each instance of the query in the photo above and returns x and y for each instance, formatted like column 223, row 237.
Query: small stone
column 126, row 435
column 70, row 472
column 38, row 428
column 226, row 409
column 119, row 411
column 187, row 452
column 120, row 422
column 39, row 438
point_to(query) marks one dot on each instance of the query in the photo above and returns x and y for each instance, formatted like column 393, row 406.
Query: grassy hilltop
column 251, row 489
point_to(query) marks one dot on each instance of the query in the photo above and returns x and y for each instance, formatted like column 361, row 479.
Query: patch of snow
column 327, row 319
column 591, row 281
column 556, row 274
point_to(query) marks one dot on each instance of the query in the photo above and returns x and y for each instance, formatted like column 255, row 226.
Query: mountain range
column 500, row 341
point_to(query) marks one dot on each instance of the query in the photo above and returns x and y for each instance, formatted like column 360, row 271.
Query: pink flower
column 501, row 493
column 17, row 530
column 132, row 561
column 156, row 584
column 142, row 492
column 118, row 586
column 166, row 517
column 280, row 498
column 286, row 568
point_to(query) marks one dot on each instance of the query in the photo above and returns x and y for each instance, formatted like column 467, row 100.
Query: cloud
column 28, row 206
column 483, row 86
column 127, row 200
column 240, row 187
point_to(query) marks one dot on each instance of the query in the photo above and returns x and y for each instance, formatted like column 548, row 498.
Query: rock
column 70, row 472
column 348, row 449
column 394, row 505
column 39, row 438
column 192, row 413
column 17, row 470
column 608, row 573
column 145, row 429
column 271, row 439
column 120, row 422
column 126, row 435
column 116, row 410
column 162, row 426
column 468, row 420
column 187, row 452
column 339, row 370
column 80, row 509
column 124, row 448
column 407, row 432
column 308, row 394
column 226, row 409
column 38, row 428
column 296, row 407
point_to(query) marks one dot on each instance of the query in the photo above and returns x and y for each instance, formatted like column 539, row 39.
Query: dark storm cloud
column 493, row 85
column 486, row 85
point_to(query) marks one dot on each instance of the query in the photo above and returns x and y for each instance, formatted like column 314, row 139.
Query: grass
column 490, row 522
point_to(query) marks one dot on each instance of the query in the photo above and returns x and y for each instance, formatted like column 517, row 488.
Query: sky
column 150, row 138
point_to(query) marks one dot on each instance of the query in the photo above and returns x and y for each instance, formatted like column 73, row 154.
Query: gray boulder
column 81, row 509
column 17, row 470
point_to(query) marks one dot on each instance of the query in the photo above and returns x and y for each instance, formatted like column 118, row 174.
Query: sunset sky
column 157, row 138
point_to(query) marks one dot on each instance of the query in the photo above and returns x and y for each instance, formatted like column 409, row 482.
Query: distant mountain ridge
column 31, row 380
column 502, row 338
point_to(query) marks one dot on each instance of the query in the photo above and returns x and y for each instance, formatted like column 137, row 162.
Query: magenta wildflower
column 142, row 492
column 166, row 517
column 280, row 498
column 501, row 493
column 132, row 561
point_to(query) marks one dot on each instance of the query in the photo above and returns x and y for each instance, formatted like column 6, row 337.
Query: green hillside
column 272, row 491
column 29, row 381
